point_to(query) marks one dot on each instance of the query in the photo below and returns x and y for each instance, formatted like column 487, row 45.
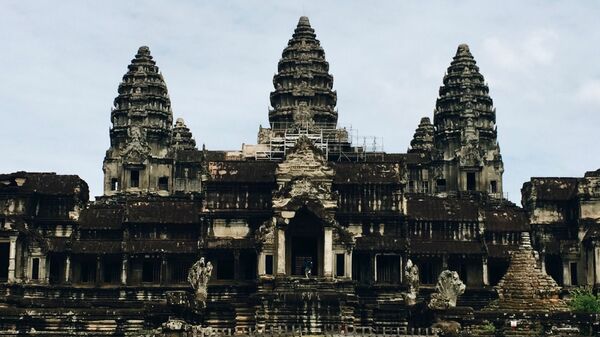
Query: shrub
column 584, row 301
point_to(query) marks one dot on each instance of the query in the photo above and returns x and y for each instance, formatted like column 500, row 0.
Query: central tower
column 303, row 86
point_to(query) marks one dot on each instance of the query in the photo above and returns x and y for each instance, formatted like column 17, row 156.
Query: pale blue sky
column 63, row 60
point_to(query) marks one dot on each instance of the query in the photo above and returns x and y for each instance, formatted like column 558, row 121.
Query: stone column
column 373, row 266
column 444, row 261
column 45, row 265
column 597, row 264
column 261, row 265
column 348, row 265
column 12, row 260
column 98, row 270
column 237, row 275
column 280, row 251
column 163, row 269
column 328, row 252
column 68, row 268
column 566, row 273
column 124, row 265
column 484, row 270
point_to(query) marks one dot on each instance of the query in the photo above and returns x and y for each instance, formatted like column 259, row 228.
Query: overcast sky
column 62, row 62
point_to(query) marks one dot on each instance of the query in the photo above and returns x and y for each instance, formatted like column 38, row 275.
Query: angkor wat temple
column 305, row 228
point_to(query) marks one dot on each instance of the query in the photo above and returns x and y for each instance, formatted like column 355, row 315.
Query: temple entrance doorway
column 305, row 235
column 4, row 258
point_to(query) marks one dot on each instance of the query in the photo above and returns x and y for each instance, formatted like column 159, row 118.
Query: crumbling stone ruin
column 120, row 265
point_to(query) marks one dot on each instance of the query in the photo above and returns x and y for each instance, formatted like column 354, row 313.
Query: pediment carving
column 137, row 149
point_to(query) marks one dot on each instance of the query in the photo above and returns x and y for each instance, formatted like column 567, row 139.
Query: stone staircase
column 77, row 322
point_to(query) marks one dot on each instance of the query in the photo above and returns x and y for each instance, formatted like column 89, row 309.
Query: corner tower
column 303, row 86
column 141, row 131
column 467, row 155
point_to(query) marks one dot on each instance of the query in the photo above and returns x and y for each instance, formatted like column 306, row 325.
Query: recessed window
column 339, row 264
column 134, row 178
column 114, row 184
column 493, row 186
column 574, row 281
column 35, row 268
column 151, row 271
column 441, row 185
column 269, row 264
column 163, row 183
column 425, row 186
column 471, row 181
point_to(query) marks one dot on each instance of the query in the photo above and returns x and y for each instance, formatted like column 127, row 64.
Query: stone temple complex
column 303, row 230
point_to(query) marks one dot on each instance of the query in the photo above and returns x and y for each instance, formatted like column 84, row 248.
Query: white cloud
column 589, row 92
column 519, row 53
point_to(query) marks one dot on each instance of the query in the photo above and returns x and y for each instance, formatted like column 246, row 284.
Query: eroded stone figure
column 198, row 277
column 411, row 273
column 448, row 288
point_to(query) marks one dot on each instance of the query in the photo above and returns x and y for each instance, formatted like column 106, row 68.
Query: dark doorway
column 554, row 268
column 573, row 267
column 269, row 264
column 471, row 181
column 4, row 256
column 340, row 264
column 305, row 234
column 57, row 269
column 496, row 269
column 303, row 249
column 388, row 269
column 35, row 268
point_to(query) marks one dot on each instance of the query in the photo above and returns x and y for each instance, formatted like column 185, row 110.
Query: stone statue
column 448, row 288
column 198, row 277
column 411, row 273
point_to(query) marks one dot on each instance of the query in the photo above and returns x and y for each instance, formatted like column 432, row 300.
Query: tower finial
column 304, row 21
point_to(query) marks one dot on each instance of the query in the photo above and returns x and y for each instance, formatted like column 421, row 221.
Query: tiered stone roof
column 182, row 136
column 525, row 287
column 423, row 139
column 464, row 96
column 143, row 101
column 302, row 83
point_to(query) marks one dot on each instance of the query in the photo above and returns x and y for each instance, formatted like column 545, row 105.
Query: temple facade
column 302, row 228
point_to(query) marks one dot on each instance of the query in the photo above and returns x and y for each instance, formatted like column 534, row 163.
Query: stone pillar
column 68, row 268
column 261, row 265
column 124, row 268
column 163, row 269
column 445, row 262
column 566, row 273
column 12, row 260
column 348, row 264
column 597, row 264
column 45, row 266
column 543, row 262
column 237, row 275
column 328, row 252
column 280, row 251
column 373, row 266
column 484, row 270
column 98, row 270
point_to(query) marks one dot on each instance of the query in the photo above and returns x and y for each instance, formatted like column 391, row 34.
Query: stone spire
column 182, row 136
column 464, row 108
column 142, row 106
column 303, row 87
column 422, row 141
column 525, row 287
column 466, row 148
